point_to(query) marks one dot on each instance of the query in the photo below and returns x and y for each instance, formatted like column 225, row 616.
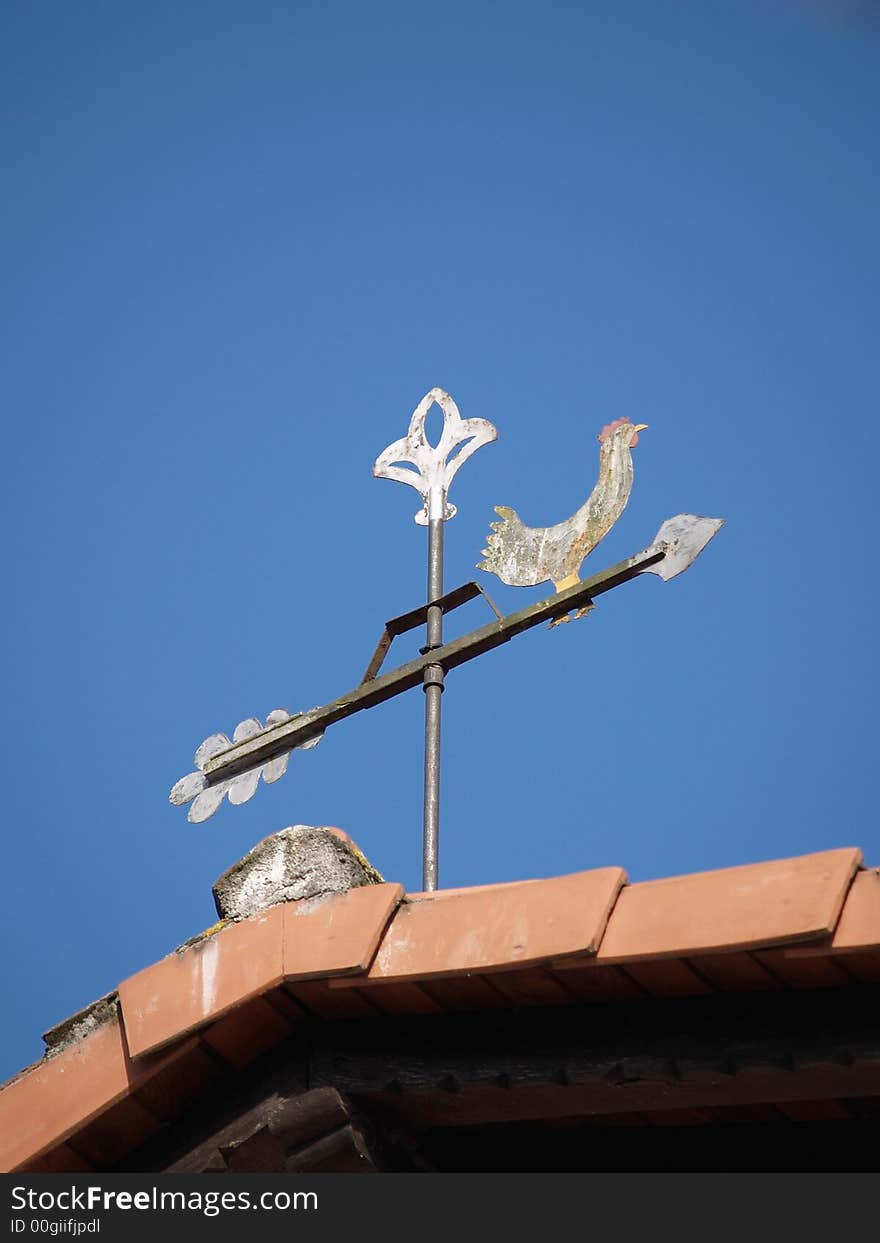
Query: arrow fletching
column 206, row 797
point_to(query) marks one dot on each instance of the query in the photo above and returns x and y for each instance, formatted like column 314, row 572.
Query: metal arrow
column 234, row 766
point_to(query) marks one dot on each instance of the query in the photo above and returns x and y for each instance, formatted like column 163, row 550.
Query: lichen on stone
column 81, row 1024
column 203, row 936
column 301, row 861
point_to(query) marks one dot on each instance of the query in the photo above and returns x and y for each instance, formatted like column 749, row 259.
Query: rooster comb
column 611, row 427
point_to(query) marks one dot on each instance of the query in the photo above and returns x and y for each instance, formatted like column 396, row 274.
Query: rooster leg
column 563, row 585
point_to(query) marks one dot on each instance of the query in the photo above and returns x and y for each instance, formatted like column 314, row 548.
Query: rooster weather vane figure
column 519, row 555
column 523, row 556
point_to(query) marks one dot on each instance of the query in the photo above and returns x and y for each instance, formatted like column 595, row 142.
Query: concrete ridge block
column 301, row 861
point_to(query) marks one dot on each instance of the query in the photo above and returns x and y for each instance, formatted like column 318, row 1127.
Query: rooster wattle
column 522, row 556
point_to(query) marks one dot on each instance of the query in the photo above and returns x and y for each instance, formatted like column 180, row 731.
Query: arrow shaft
column 299, row 729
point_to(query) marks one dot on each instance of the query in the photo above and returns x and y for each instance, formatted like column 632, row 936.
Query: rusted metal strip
column 307, row 725
column 418, row 617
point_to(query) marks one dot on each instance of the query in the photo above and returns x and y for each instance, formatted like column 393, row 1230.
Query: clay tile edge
column 750, row 906
column 56, row 1097
column 858, row 928
column 494, row 927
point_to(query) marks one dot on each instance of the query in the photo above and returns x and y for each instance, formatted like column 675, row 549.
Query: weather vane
column 520, row 556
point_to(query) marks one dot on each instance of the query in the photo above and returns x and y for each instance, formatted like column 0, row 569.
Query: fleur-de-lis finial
column 434, row 467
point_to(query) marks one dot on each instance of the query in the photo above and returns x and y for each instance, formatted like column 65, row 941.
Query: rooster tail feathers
column 501, row 544
column 507, row 516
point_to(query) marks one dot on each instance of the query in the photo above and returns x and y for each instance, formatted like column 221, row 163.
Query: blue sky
column 240, row 242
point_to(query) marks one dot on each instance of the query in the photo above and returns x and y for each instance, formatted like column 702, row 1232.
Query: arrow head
column 686, row 535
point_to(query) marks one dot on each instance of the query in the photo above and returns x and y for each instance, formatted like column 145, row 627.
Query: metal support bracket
column 418, row 617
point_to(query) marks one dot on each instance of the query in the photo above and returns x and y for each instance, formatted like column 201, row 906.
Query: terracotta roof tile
column 464, row 992
column 598, row 982
column 404, row 998
column 120, row 1128
column 819, row 972
column 859, row 925
column 668, row 977
column 337, row 935
column 247, row 1031
column 497, row 926
column 202, row 981
column 365, row 952
column 737, row 972
column 863, row 965
column 317, row 937
column 186, row 1072
column 62, row 1094
column 733, row 909
column 532, row 987
column 328, row 1003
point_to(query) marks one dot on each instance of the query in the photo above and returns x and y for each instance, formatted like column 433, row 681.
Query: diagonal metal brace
column 300, row 729
column 417, row 617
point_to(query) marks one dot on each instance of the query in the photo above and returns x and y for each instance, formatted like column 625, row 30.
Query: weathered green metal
column 418, row 617
column 258, row 750
column 307, row 725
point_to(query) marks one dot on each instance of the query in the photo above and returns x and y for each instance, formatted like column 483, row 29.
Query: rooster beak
column 639, row 427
